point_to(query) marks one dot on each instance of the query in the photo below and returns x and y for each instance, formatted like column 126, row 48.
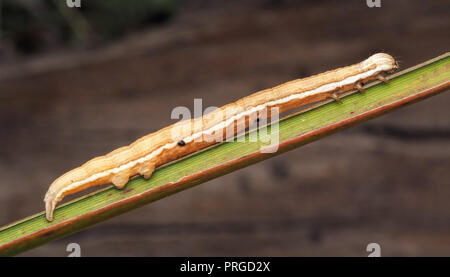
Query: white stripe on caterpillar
column 148, row 152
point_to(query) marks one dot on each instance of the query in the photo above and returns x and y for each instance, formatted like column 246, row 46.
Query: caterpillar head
column 382, row 61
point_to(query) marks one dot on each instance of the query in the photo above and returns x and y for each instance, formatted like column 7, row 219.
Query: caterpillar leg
column 50, row 205
column 335, row 97
column 382, row 78
column 359, row 87
column 120, row 180
column 146, row 170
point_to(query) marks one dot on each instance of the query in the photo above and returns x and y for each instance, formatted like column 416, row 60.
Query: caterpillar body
column 158, row 148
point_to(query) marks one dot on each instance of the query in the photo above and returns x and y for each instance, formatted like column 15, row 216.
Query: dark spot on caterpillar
column 362, row 83
column 181, row 143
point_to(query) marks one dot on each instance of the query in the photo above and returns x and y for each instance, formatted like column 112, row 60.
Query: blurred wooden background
column 385, row 181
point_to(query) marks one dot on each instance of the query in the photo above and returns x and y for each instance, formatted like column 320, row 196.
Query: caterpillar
column 158, row 148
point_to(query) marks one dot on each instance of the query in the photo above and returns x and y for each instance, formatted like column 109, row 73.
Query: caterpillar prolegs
column 158, row 148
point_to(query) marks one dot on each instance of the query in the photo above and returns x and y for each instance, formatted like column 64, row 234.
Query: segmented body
column 153, row 150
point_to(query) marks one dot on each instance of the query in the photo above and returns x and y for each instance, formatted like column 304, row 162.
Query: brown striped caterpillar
column 153, row 150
